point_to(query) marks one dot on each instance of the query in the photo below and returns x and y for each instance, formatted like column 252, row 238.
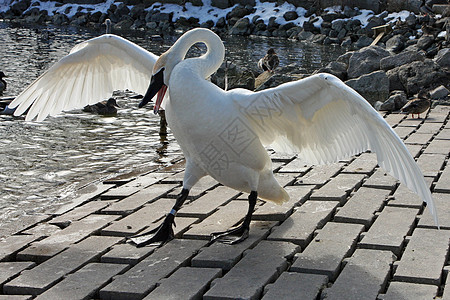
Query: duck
column 105, row 108
column 269, row 62
column 224, row 134
column 4, row 106
column 3, row 83
column 418, row 105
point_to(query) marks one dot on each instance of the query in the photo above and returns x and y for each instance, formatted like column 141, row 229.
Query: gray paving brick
column 362, row 206
column 13, row 268
column 139, row 199
column 143, row 277
column 437, row 114
column 394, row 119
column 442, row 202
column 431, row 164
column 84, row 195
column 419, row 138
column 11, row 245
column 404, row 197
column 183, row 224
column 403, row 131
column 79, row 213
column 46, row 248
column 186, row 283
column 319, row 175
column 208, row 203
column 324, row 255
column 300, row 226
column 381, row 180
column 26, row 221
column 444, row 135
column 412, row 122
column 141, row 219
column 364, row 276
column 126, row 254
column 133, row 186
column 295, row 166
column 338, row 188
column 84, row 283
column 203, row 185
column 293, row 286
column 15, row 297
column 438, row 147
column 389, row 229
column 256, row 269
column 408, row 291
column 46, row 274
column 42, row 230
column 429, row 128
column 446, row 295
column 224, row 256
column 270, row 211
column 414, row 149
column 365, row 164
column 424, row 257
column 223, row 219
column 286, row 178
column 443, row 183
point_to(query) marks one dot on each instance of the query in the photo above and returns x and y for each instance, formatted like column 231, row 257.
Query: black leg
column 164, row 232
column 240, row 233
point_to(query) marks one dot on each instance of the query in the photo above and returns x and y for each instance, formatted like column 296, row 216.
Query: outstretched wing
column 324, row 120
column 90, row 73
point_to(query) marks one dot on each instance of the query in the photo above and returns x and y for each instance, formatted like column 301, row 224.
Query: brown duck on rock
column 105, row 108
column 417, row 105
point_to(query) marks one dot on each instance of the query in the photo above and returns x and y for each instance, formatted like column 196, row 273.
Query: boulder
column 290, row 15
column 395, row 102
column 363, row 41
column 425, row 41
column 441, row 92
column 220, row 3
column 443, row 58
column 373, row 87
column 396, row 43
column 240, row 27
column 401, row 59
column 365, row 61
column 338, row 69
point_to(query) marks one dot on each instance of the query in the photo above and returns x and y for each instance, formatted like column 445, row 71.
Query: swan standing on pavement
column 223, row 133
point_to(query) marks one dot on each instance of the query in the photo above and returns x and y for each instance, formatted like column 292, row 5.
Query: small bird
column 270, row 61
column 2, row 82
column 417, row 105
column 105, row 108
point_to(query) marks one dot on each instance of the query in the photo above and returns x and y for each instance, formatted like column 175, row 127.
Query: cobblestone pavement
column 349, row 232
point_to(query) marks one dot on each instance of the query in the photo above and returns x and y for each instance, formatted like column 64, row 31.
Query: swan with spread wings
column 224, row 133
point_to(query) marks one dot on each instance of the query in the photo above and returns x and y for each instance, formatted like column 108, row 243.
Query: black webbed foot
column 158, row 236
column 232, row 236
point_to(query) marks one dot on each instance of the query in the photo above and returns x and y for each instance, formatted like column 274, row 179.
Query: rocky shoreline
column 411, row 56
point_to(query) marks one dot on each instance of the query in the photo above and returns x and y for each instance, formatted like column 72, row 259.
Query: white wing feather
column 90, row 73
column 324, row 120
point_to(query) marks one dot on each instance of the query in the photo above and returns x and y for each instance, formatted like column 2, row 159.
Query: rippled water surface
column 42, row 164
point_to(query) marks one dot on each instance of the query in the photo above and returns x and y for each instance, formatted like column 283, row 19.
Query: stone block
column 10, row 269
column 430, row 128
column 139, row 199
column 408, row 291
column 338, row 188
column 285, row 179
column 291, row 286
column 126, row 254
column 77, row 231
column 443, row 183
column 424, row 257
column 364, row 276
column 208, row 203
column 42, row 230
column 203, row 185
column 362, row 206
column 11, row 245
column 15, row 297
column 141, row 219
column 300, row 226
column 79, row 212
column 224, row 256
column 438, row 147
column 26, row 221
column 143, row 277
column 324, row 255
column 389, row 229
column 134, row 186
column 431, row 164
column 419, row 138
column 185, row 283
column 48, row 273
column 224, row 218
column 270, row 211
column 404, row 197
column 319, row 175
column 403, row 131
column 414, row 149
column 364, row 164
column 256, row 269
column 381, row 180
column 443, row 135
column 295, row 166
column 442, row 203
column 394, row 119
column 84, row 283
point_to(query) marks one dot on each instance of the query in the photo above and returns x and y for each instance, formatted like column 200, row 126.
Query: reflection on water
column 41, row 164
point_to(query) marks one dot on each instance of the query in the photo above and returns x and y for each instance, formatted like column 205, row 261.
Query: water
column 43, row 164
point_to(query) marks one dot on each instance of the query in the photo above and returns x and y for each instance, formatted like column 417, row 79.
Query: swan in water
column 223, row 133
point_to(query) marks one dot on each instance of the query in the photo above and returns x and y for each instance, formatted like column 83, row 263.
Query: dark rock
column 124, row 24
column 221, row 22
column 401, row 59
column 60, row 19
column 137, row 11
column 373, row 87
column 338, row 69
column 330, row 17
column 290, row 15
column 396, row 43
column 279, row 33
column 363, row 41
column 338, row 25
column 425, row 42
column 395, row 102
column 220, row 3
column 122, row 10
column 366, row 61
column 238, row 12
column 305, row 35
column 346, row 42
column 411, row 21
column 240, row 27
column 208, row 24
column 443, row 58
column 19, row 7
column 441, row 92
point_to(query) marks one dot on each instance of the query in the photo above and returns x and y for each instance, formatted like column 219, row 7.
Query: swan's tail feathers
column 270, row 189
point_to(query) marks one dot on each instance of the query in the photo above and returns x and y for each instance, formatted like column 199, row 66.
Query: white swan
column 92, row 71
column 222, row 133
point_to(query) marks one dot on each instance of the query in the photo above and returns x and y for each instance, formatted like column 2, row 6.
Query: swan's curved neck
column 208, row 63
